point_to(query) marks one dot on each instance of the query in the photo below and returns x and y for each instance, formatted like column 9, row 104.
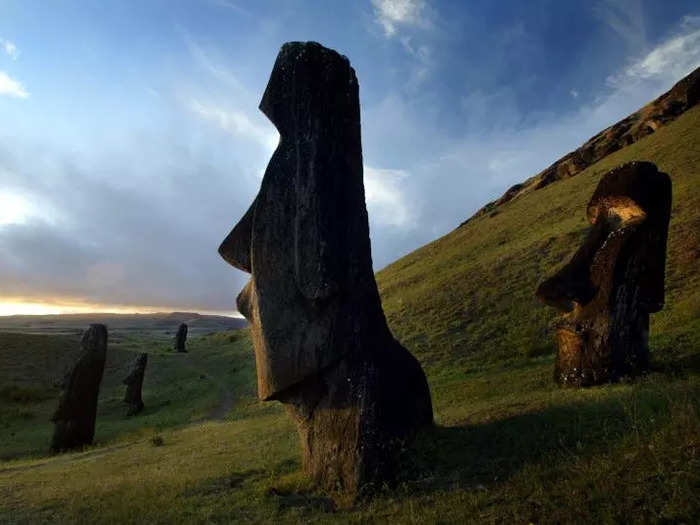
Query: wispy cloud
column 392, row 14
column 423, row 57
column 626, row 18
column 11, row 87
column 9, row 48
column 386, row 202
column 208, row 63
column 236, row 123
column 233, row 6
column 672, row 59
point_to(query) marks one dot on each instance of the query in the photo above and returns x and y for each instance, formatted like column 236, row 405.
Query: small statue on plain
column 74, row 418
column 181, row 338
column 134, row 383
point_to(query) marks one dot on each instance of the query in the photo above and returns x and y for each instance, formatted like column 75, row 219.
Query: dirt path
column 227, row 399
column 224, row 407
column 69, row 457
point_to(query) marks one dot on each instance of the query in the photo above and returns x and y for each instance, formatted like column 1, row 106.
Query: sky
column 131, row 141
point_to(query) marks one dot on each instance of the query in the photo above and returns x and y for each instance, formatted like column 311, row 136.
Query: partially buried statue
column 134, row 383
column 181, row 338
column 77, row 408
column 615, row 280
column 322, row 345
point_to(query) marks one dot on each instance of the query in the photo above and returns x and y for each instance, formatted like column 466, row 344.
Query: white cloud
column 574, row 93
column 236, row 123
column 394, row 13
column 386, row 203
column 670, row 60
column 9, row 48
column 11, row 87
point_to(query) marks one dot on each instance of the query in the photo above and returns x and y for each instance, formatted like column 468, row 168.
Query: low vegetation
column 508, row 447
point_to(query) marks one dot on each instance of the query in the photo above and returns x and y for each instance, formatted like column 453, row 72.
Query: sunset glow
column 23, row 307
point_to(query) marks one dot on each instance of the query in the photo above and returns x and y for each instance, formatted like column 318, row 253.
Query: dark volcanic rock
column 322, row 345
column 77, row 408
column 615, row 280
column 181, row 338
column 134, row 382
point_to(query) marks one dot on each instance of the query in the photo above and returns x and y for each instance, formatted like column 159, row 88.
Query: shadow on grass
column 283, row 486
column 474, row 456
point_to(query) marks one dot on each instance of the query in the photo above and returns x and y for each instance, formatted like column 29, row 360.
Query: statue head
column 305, row 238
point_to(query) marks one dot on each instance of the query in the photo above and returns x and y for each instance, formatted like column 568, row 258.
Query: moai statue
column 77, row 407
column 615, row 279
column 181, row 338
column 134, row 382
column 322, row 345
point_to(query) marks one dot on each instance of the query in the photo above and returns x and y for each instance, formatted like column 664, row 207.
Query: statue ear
column 235, row 249
column 317, row 233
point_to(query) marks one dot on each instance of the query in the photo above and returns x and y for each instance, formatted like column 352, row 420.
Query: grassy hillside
column 467, row 299
column 508, row 447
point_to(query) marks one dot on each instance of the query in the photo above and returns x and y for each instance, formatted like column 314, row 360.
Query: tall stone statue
column 77, row 407
column 134, row 382
column 322, row 345
column 615, row 279
column 181, row 338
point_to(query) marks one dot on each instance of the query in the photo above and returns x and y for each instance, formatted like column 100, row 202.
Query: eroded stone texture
column 322, row 345
column 181, row 338
column 615, row 280
column 77, row 407
column 134, row 382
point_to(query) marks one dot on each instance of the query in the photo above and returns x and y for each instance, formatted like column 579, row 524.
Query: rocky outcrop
column 615, row 280
column 134, row 382
column 680, row 98
column 181, row 338
column 74, row 418
column 322, row 345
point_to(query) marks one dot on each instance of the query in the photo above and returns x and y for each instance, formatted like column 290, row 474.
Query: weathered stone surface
column 615, row 280
column 77, row 407
column 134, row 382
column 181, row 338
column 322, row 345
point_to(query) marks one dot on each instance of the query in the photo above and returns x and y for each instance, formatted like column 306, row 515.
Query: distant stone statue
column 77, row 407
column 181, row 338
column 322, row 345
column 615, row 279
column 134, row 382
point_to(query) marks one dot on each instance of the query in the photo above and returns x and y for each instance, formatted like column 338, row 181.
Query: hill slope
column 467, row 299
column 684, row 95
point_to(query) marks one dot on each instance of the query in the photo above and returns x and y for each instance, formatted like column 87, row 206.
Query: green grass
column 508, row 447
column 178, row 388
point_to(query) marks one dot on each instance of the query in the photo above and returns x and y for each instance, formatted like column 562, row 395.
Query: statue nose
column 244, row 300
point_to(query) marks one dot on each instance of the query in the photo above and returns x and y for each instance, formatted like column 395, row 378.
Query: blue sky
column 131, row 140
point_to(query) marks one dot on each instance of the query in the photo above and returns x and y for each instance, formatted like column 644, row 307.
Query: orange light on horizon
column 56, row 307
